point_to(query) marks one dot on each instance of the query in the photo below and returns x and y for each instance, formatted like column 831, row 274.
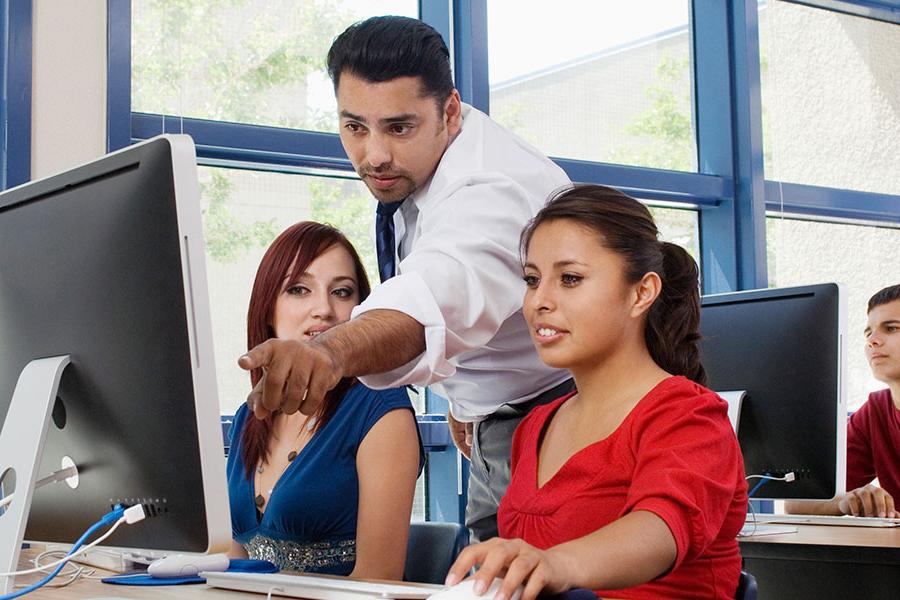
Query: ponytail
column 673, row 323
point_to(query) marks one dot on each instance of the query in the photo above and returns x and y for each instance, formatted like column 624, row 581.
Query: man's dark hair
column 888, row 294
column 384, row 48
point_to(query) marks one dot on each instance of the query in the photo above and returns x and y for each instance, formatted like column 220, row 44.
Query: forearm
column 375, row 342
column 813, row 507
column 632, row 550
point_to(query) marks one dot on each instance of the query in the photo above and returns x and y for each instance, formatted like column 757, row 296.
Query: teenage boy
column 873, row 432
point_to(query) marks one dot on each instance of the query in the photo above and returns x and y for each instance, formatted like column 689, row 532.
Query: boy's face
column 393, row 133
column 883, row 342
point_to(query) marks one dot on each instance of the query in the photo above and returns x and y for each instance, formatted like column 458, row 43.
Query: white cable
column 787, row 477
column 80, row 551
column 77, row 572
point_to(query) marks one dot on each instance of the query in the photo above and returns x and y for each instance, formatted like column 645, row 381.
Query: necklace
column 310, row 424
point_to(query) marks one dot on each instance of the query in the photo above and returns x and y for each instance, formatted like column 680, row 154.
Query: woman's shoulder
column 682, row 388
column 360, row 394
column 240, row 416
column 679, row 395
column 363, row 406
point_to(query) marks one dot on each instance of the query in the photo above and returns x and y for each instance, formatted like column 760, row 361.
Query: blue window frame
column 729, row 192
column 15, row 100
column 882, row 10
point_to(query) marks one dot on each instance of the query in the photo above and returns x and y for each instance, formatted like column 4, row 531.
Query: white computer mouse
column 187, row 565
column 463, row 591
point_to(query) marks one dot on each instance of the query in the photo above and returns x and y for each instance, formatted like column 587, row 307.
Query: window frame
column 15, row 96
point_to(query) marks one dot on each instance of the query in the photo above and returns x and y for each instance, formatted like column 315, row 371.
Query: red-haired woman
column 330, row 492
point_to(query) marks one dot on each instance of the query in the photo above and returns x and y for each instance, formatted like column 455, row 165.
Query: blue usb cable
column 111, row 518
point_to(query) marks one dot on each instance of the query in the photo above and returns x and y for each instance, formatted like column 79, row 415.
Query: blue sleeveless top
column 310, row 519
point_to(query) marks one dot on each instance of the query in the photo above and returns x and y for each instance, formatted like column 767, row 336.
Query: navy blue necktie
column 384, row 239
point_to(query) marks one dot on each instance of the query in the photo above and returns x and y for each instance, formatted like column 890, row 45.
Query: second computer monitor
column 784, row 347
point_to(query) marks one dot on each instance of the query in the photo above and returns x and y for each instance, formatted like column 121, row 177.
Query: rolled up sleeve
column 461, row 280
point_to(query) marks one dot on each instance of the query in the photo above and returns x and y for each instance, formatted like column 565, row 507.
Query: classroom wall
column 68, row 120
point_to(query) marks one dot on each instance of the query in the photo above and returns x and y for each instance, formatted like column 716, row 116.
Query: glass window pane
column 599, row 81
column 830, row 98
column 679, row 226
column 863, row 259
column 245, row 61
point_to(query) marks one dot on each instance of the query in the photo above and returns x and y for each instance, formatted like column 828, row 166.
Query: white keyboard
column 319, row 587
column 845, row 520
column 760, row 529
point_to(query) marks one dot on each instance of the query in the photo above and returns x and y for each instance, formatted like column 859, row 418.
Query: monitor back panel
column 783, row 348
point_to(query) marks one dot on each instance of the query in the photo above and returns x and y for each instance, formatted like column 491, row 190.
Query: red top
column 873, row 445
column 674, row 455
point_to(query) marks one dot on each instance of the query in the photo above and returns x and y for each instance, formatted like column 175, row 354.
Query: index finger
column 260, row 356
column 880, row 504
column 254, row 400
column 464, row 563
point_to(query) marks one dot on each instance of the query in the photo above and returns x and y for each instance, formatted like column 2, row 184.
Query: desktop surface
column 839, row 521
column 823, row 561
column 887, row 538
column 90, row 589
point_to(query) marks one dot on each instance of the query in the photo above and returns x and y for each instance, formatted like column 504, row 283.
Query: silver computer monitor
column 785, row 348
column 105, row 264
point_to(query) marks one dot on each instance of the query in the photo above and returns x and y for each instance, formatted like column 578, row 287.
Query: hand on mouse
column 535, row 569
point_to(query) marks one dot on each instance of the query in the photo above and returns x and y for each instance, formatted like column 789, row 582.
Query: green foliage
column 245, row 61
column 349, row 208
column 226, row 237
column 666, row 123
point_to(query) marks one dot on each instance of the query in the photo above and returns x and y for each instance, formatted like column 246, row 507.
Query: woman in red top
column 633, row 486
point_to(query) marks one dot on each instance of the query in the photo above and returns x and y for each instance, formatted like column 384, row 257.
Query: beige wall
column 68, row 102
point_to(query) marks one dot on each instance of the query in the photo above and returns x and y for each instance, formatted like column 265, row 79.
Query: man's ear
column 645, row 293
column 453, row 113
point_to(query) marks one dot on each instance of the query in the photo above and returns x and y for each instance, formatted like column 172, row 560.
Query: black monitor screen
column 93, row 266
column 783, row 347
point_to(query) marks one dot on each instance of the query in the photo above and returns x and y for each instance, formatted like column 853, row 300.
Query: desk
column 93, row 588
column 84, row 589
column 826, row 562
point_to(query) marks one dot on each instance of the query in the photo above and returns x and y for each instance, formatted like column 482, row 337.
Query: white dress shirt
column 460, row 273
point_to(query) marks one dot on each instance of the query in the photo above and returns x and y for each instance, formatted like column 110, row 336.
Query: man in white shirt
column 455, row 191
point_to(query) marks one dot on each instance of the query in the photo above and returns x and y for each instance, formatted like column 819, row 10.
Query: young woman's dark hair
column 384, row 48
column 284, row 262
column 883, row 296
column 626, row 227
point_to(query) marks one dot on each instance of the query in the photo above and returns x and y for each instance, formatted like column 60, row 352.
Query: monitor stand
column 21, row 447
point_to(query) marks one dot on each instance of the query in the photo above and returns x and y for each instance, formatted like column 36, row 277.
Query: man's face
column 393, row 134
column 883, row 341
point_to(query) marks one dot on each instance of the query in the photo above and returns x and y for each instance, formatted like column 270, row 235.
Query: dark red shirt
column 674, row 455
column 873, row 445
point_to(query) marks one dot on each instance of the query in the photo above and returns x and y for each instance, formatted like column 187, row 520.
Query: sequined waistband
column 301, row 557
